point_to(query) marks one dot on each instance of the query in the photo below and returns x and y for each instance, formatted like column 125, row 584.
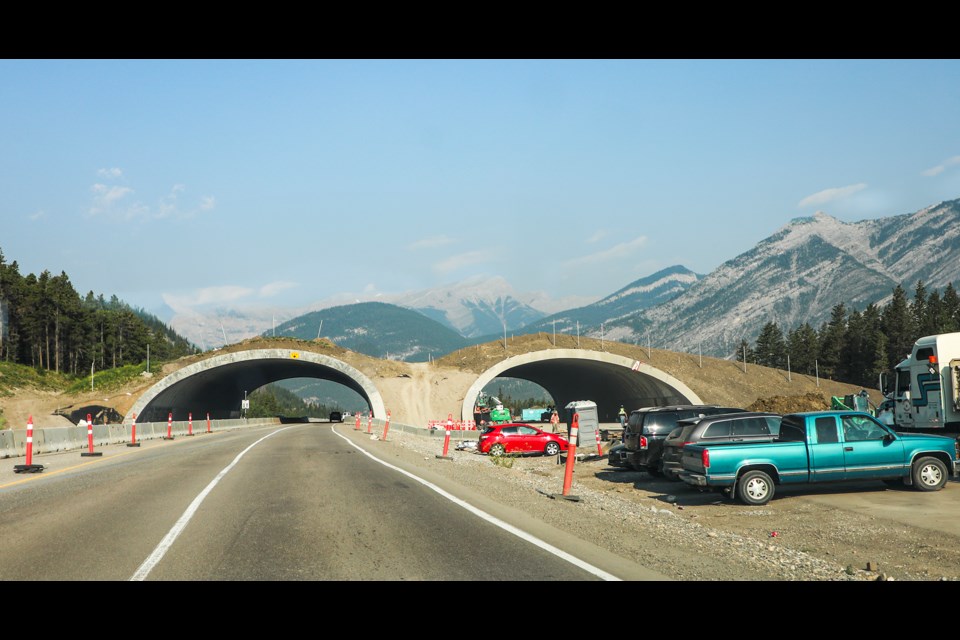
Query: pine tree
column 745, row 352
column 951, row 309
column 802, row 345
column 898, row 327
column 918, row 310
column 770, row 347
column 832, row 338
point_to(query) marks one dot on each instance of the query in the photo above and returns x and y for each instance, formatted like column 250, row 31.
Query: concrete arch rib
column 580, row 374
column 218, row 384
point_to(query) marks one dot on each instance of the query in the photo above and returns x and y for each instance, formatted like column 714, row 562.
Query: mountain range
column 796, row 275
column 799, row 274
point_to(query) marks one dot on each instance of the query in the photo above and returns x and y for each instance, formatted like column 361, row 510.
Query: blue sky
column 285, row 182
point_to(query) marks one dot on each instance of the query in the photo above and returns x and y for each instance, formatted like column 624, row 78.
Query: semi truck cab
column 927, row 392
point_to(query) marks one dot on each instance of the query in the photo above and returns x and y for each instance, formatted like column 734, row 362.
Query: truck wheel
column 929, row 474
column 755, row 487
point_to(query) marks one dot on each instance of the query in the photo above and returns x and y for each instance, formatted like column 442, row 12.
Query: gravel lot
column 684, row 534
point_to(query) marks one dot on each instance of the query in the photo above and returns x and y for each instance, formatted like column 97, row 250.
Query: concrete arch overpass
column 413, row 393
column 607, row 379
column 218, row 384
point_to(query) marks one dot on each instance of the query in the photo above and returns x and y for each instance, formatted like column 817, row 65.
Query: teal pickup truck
column 821, row 446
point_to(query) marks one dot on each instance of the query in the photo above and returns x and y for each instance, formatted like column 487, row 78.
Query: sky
column 191, row 183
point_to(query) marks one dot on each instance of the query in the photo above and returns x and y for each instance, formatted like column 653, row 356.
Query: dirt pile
column 791, row 404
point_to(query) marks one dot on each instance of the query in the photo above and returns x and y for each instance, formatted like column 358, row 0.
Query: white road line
column 493, row 520
column 180, row 524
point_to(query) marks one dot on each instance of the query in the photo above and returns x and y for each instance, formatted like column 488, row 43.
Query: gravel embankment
column 649, row 528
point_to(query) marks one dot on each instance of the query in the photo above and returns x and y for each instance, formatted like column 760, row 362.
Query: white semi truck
column 927, row 391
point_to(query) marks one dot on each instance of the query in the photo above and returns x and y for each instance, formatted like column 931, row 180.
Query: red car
column 498, row 439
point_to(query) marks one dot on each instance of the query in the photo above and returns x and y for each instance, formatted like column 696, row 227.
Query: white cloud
column 430, row 243
column 616, row 252
column 106, row 199
column 597, row 237
column 459, row 260
column 37, row 215
column 829, row 195
column 206, row 296
column 112, row 201
column 940, row 168
column 274, row 288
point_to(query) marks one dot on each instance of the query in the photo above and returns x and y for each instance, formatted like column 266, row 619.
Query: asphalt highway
column 294, row 502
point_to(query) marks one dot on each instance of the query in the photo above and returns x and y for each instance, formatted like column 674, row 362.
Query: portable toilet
column 589, row 422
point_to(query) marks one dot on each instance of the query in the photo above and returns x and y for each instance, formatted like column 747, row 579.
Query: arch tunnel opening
column 219, row 385
column 605, row 379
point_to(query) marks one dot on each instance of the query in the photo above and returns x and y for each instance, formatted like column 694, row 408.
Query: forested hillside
column 46, row 324
column 857, row 346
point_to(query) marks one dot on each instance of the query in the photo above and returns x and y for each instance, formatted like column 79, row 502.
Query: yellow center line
column 36, row 476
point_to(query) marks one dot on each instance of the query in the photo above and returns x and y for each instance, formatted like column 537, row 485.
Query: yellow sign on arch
column 294, row 354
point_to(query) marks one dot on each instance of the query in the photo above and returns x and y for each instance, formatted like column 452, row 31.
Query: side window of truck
column 826, row 430
column 791, row 432
column 857, row 429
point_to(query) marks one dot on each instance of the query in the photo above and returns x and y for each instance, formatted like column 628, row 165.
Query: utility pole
column 578, row 334
column 554, row 333
column 320, row 329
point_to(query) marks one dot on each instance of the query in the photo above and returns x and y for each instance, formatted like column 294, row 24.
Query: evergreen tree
column 770, row 347
column 832, row 337
column 898, row 327
column 875, row 346
column 951, row 309
column 918, row 310
column 802, row 345
column 935, row 320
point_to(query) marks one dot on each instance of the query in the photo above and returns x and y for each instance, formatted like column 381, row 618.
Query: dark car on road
column 731, row 427
column 648, row 427
column 336, row 416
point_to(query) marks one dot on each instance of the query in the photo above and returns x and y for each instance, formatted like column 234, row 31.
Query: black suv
column 647, row 428
column 737, row 427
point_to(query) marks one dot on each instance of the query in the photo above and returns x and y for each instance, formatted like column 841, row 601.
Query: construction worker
column 623, row 417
